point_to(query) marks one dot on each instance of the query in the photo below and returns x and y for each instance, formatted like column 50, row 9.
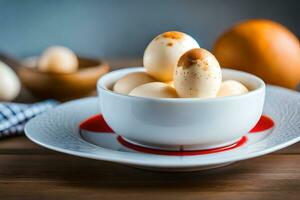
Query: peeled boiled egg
column 231, row 88
column 58, row 59
column 197, row 75
column 154, row 89
column 163, row 52
column 127, row 83
column 10, row 85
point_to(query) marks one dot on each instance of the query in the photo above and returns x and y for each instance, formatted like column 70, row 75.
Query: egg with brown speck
column 197, row 75
column 163, row 52
column 130, row 81
column 232, row 88
column 154, row 90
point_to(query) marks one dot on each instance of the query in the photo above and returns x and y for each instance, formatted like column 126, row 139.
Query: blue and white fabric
column 13, row 116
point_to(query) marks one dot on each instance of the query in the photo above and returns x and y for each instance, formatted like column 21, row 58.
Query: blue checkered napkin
column 13, row 116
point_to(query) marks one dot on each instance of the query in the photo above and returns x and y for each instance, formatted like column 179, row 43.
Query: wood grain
column 30, row 171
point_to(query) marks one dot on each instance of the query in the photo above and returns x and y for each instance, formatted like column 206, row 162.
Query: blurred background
column 110, row 34
column 122, row 29
column 58, row 49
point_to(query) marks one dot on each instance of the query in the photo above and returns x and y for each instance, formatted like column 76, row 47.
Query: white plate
column 58, row 130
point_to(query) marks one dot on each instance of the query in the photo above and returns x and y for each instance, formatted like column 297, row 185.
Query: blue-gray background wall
column 122, row 28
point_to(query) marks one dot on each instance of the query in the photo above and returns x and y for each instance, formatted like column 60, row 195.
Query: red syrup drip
column 97, row 124
column 263, row 124
column 135, row 147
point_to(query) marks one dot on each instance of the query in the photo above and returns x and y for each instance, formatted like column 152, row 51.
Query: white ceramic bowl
column 190, row 123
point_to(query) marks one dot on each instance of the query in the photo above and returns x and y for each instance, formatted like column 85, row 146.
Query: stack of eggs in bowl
column 175, row 59
column 178, row 100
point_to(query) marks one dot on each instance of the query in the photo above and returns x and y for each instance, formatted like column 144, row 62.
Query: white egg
column 231, row 88
column 10, row 85
column 154, row 89
column 58, row 59
column 163, row 52
column 127, row 83
column 198, row 75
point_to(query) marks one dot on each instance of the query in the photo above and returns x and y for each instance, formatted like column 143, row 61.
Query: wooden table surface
column 28, row 171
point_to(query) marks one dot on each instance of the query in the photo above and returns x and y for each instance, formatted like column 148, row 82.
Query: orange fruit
column 261, row 47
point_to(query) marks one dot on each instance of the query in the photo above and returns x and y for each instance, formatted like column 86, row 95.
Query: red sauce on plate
column 97, row 124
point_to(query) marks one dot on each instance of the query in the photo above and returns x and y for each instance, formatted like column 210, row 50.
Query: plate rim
column 135, row 161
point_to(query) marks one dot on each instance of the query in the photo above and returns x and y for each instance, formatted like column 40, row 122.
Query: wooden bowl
column 62, row 86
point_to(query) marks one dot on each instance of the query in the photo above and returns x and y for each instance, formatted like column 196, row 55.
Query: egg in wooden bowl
column 59, row 74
